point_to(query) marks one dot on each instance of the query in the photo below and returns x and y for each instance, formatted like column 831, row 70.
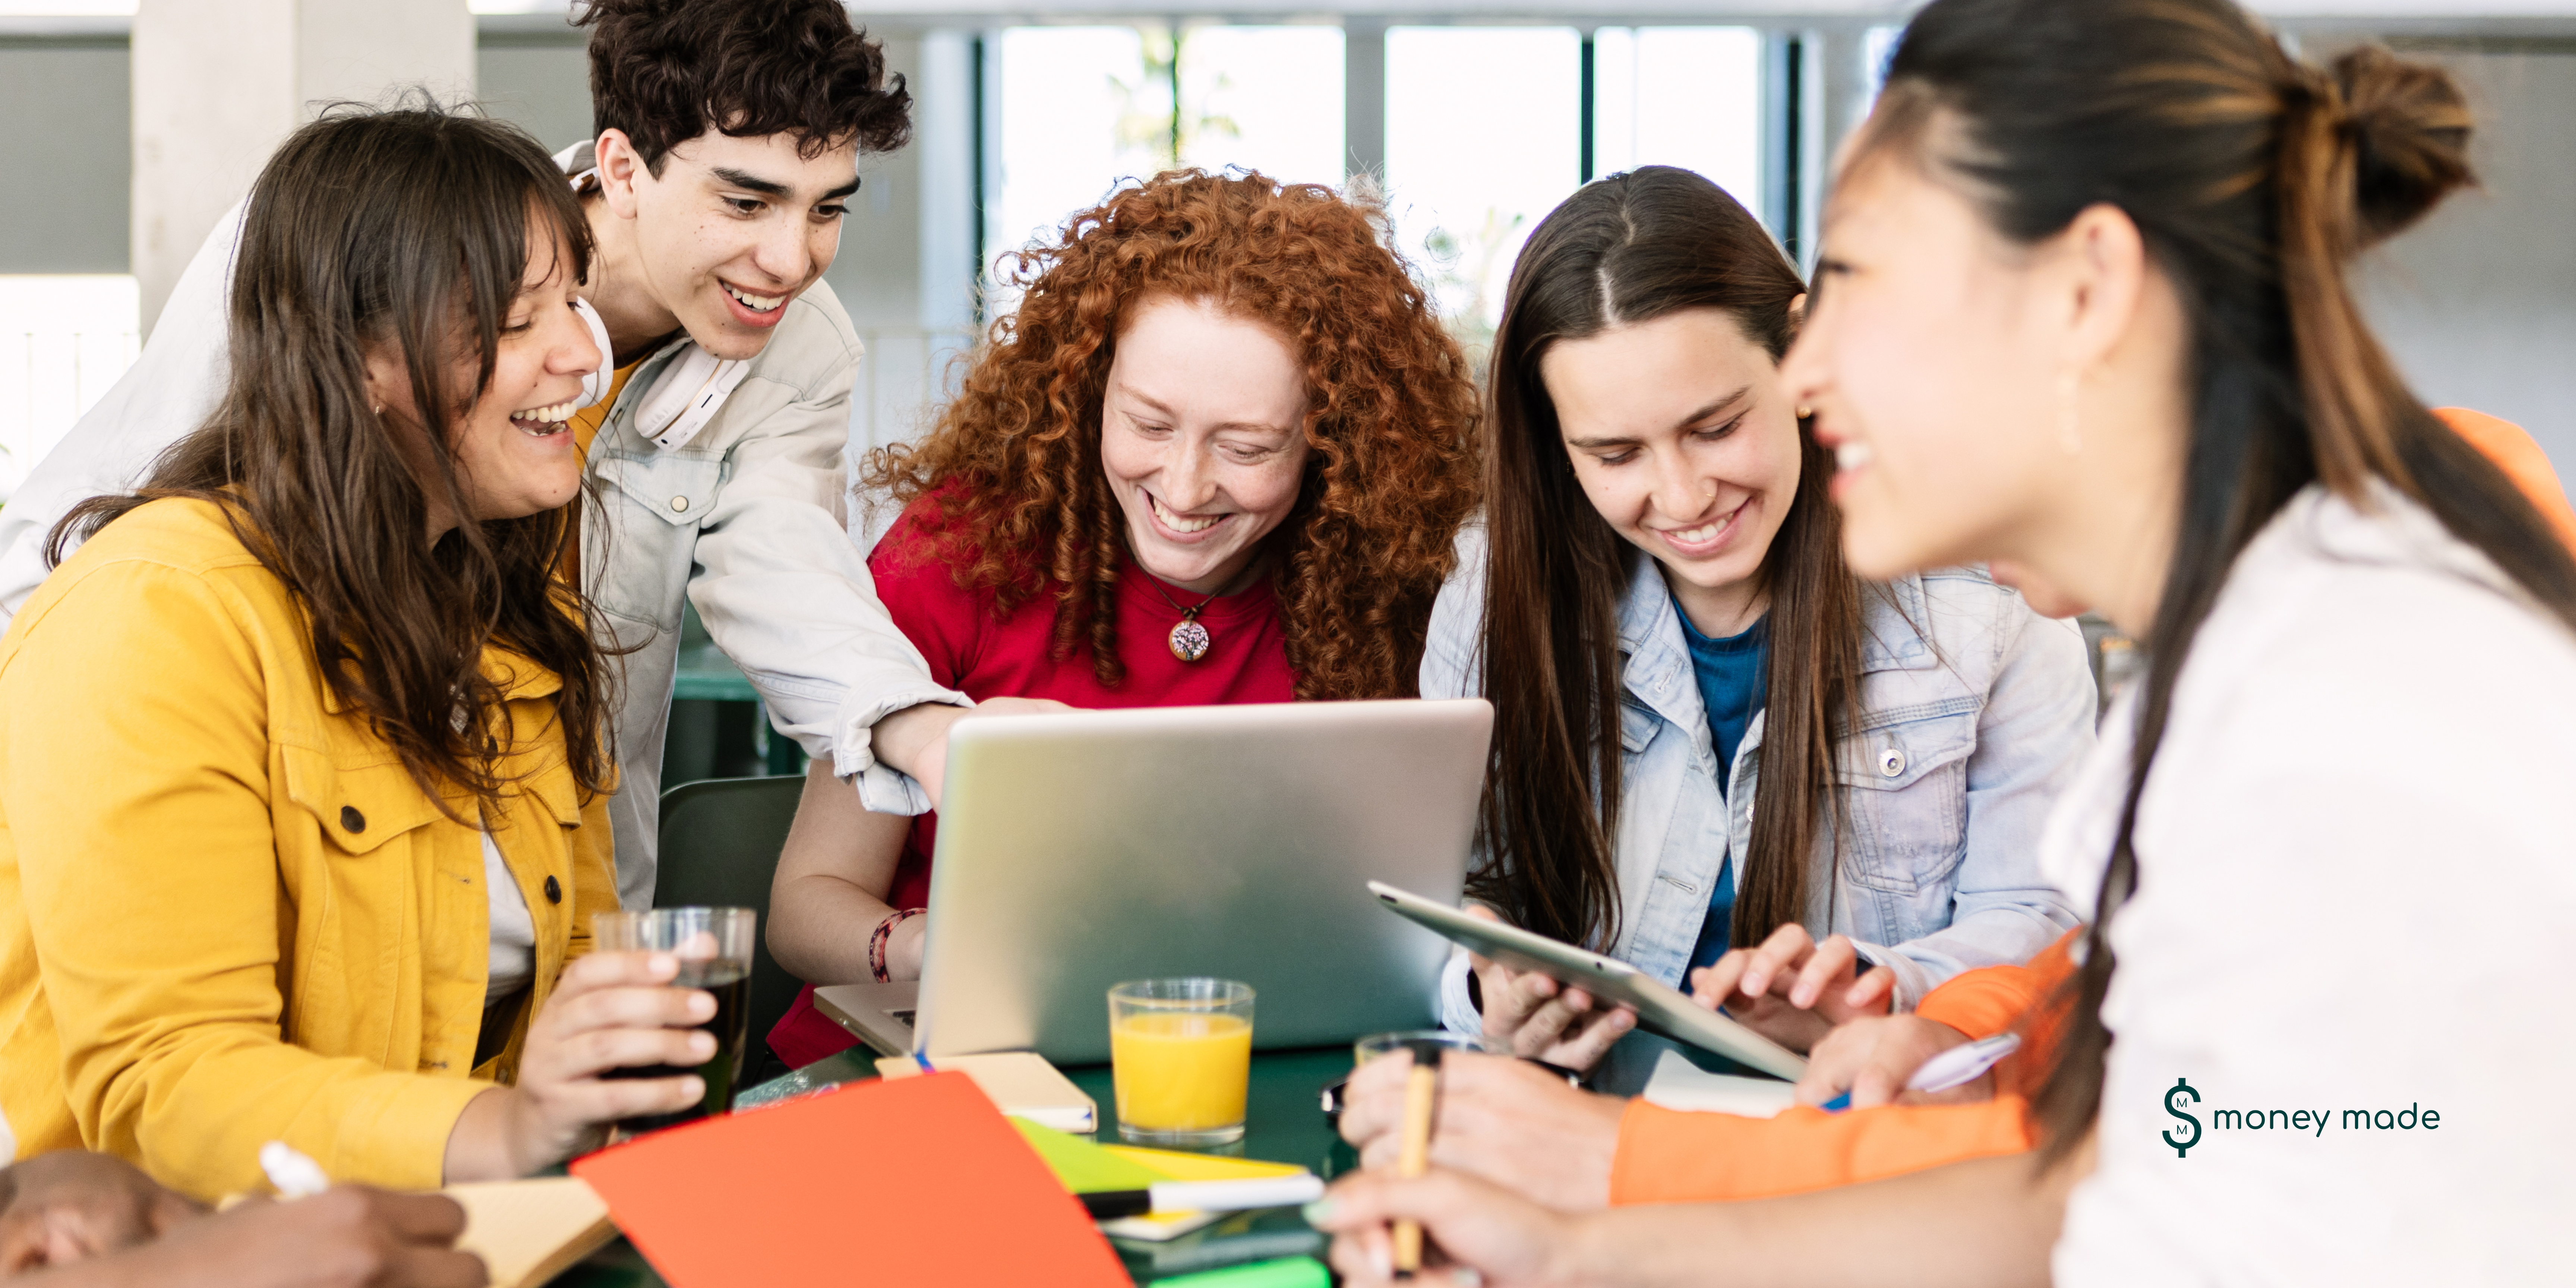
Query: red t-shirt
column 982, row 655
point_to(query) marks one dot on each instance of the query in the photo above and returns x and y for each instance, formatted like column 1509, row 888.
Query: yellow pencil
column 1420, row 1089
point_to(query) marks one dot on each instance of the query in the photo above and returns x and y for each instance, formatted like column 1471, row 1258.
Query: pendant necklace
column 1189, row 640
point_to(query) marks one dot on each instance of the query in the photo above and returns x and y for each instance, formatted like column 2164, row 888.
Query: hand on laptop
column 1535, row 1016
column 915, row 739
column 1793, row 990
column 1507, row 1121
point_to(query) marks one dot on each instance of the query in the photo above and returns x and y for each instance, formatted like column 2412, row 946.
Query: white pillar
column 943, row 140
column 1364, row 97
column 218, row 83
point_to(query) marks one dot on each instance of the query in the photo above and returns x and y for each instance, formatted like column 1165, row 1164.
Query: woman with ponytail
column 2083, row 306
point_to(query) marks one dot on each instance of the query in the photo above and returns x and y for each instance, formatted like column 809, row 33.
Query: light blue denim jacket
column 1975, row 711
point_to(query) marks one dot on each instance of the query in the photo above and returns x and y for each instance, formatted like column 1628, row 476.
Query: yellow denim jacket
column 228, row 915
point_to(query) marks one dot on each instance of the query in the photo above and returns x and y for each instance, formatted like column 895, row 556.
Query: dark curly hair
column 667, row 71
column 1017, row 503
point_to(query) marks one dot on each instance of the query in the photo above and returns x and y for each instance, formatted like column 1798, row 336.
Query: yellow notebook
column 527, row 1232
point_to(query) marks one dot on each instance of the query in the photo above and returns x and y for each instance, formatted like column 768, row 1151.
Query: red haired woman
column 1218, row 455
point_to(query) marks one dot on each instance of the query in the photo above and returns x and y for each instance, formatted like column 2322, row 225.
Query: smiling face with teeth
column 1681, row 438
column 720, row 241
column 513, row 448
column 1202, row 436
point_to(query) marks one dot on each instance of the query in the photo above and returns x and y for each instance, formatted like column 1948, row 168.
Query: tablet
column 1661, row 1009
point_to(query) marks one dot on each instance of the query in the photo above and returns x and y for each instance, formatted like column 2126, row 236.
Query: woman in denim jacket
column 1799, row 756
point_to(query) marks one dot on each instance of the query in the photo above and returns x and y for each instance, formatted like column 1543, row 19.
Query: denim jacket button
column 1891, row 762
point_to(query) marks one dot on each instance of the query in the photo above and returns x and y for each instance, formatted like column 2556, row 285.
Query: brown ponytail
column 2412, row 126
column 2253, row 180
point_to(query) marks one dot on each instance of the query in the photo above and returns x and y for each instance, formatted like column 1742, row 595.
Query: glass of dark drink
column 714, row 946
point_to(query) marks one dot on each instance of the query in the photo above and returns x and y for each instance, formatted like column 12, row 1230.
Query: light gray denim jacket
column 1975, row 712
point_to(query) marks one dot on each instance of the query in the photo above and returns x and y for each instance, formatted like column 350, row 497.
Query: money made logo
column 2191, row 1130
column 2190, row 1126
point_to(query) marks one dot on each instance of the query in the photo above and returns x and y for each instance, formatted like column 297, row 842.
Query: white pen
column 1963, row 1064
column 1955, row 1067
column 292, row 1174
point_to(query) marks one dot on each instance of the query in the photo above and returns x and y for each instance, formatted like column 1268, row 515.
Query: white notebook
column 1679, row 1084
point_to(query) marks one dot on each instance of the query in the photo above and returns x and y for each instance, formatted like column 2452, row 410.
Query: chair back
column 719, row 848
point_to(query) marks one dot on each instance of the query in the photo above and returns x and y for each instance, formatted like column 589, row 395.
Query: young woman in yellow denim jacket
column 301, row 755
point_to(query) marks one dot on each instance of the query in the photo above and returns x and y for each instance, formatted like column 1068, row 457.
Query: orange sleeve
column 1991, row 999
column 1670, row 1156
column 2521, row 459
column 1667, row 1156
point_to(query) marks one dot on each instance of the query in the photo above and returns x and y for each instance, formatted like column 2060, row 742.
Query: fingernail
column 697, row 1087
column 1319, row 1212
column 702, row 1005
column 662, row 964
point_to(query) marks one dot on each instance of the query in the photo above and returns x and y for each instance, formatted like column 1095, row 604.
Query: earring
column 2070, row 412
column 1805, row 412
column 377, row 408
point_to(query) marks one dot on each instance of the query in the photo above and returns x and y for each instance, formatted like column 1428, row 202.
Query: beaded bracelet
column 885, row 932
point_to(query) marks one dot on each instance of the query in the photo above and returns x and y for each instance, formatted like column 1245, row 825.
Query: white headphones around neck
column 686, row 397
column 595, row 386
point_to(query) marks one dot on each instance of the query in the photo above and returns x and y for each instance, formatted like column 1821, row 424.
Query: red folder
column 915, row 1181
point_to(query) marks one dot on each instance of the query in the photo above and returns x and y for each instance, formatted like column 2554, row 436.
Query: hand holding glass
column 714, row 946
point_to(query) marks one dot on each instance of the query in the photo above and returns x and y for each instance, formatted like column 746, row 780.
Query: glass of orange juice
column 1180, row 1053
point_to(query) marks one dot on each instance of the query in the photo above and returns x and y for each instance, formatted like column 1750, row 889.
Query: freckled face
column 1202, row 436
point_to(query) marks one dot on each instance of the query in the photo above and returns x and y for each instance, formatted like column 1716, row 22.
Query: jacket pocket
column 355, row 893
column 1904, row 779
column 659, row 500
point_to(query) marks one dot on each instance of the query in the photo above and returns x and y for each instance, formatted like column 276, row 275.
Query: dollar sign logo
column 2173, row 1105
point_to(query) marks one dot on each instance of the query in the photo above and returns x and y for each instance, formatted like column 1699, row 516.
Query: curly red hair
column 1009, row 485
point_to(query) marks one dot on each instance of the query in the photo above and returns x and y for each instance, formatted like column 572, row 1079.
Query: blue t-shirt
column 1734, row 676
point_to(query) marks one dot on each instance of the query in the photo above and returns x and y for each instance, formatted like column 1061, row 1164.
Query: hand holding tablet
column 1660, row 1008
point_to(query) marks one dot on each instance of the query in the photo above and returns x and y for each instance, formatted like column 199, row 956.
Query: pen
column 1203, row 1196
column 1955, row 1067
column 1414, row 1158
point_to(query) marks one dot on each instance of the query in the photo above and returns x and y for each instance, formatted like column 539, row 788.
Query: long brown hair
column 408, row 228
column 1017, row 503
column 2253, row 179
column 1629, row 249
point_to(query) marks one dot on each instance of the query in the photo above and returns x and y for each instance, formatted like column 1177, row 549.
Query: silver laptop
column 1076, row 851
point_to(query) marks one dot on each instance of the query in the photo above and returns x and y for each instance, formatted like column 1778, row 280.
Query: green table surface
column 1283, row 1122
